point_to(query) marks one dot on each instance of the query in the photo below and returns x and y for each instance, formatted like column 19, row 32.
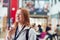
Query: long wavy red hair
column 26, row 21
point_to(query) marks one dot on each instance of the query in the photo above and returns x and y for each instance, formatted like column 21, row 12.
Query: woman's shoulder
column 32, row 30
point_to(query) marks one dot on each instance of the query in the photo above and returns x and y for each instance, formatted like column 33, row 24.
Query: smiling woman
column 19, row 29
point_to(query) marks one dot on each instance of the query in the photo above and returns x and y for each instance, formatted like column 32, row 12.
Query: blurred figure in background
column 30, row 7
column 58, row 27
column 36, row 30
column 34, row 26
column 58, row 30
column 40, row 29
column 48, row 30
column 43, row 33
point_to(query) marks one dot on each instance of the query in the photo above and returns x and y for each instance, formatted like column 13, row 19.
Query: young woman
column 19, row 29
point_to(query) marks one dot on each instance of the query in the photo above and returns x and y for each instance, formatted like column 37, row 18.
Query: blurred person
column 34, row 26
column 19, row 30
column 30, row 7
column 58, row 27
column 57, row 32
column 37, row 29
column 43, row 33
column 40, row 29
column 48, row 30
column 54, row 32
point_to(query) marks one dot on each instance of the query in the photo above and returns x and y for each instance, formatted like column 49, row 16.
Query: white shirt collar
column 26, row 27
column 21, row 26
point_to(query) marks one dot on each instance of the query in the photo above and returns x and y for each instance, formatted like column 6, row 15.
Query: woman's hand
column 10, row 33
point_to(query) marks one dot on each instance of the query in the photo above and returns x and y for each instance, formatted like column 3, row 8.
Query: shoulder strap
column 15, row 33
column 18, row 33
column 27, row 33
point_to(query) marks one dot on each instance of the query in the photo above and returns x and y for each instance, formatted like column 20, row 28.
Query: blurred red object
column 13, row 8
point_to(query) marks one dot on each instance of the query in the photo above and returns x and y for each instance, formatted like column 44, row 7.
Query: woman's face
column 20, row 17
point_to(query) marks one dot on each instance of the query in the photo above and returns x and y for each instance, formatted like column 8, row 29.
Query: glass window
column 35, row 6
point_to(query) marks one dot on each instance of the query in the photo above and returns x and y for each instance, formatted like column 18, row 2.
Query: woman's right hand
column 10, row 33
column 8, row 36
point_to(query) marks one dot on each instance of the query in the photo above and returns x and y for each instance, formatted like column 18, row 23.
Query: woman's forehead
column 18, row 11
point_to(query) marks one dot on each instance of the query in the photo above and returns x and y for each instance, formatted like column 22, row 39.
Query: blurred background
column 41, row 11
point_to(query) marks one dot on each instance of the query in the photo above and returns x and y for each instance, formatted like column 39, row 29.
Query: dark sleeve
column 47, row 29
column 40, row 29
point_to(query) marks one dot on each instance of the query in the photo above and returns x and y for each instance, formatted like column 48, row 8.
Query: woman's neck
column 20, row 25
